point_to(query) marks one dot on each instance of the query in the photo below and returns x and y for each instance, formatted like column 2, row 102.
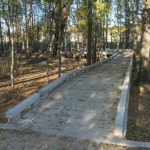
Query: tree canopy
column 30, row 26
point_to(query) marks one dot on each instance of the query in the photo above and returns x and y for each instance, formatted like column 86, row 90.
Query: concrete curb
column 14, row 113
column 45, row 91
column 122, row 111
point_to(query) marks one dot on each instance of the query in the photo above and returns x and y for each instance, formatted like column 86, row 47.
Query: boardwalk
column 85, row 107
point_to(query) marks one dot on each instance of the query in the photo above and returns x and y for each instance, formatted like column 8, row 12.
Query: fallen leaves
column 29, row 81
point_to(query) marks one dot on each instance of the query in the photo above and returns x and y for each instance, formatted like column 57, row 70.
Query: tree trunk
column 95, row 45
column 127, row 22
column 104, row 34
column 22, row 38
column 27, row 36
column 65, row 13
column 145, row 43
column 69, row 30
column 94, row 42
column 89, row 31
column 59, row 74
column 12, row 57
column 111, row 40
column 59, row 27
column 135, row 48
column 56, row 39
column 100, row 30
column 106, row 22
column 15, row 35
column 11, row 16
column 1, row 36
column 38, row 38
column 49, row 45
column 30, row 26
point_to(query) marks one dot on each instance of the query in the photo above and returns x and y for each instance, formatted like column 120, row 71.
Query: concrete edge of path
column 111, row 141
column 15, row 113
column 45, row 91
column 122, row 110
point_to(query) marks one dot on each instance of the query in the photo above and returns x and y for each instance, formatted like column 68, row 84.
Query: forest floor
column 28, row 79
column 139, row 108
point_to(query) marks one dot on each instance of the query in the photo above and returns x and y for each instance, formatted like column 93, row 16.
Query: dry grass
column 139, row 108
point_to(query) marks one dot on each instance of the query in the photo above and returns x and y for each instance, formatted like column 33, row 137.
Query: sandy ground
column 83, row 108
column 13, row 140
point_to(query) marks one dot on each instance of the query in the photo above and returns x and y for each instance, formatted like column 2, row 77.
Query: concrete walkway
column 85, row 107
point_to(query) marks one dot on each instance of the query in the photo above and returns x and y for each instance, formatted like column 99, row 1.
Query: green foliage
column 100, row 9
column 115, row 31
column 137, row 122
column 100, row 6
